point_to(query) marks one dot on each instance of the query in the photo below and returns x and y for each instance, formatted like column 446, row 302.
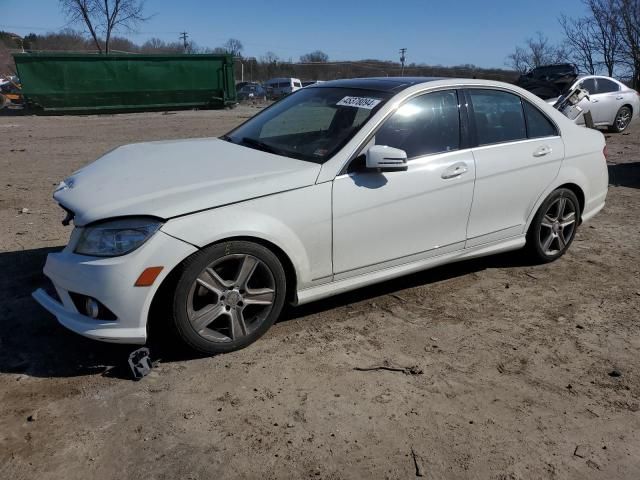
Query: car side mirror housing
column 386, row 159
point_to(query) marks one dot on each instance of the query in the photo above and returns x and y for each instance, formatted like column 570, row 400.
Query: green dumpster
column 87, row 83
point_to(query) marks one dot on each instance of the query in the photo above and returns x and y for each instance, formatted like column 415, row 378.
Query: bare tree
column 317, row 56
column 104, row 17
column 629, row 18
column 606, row 32
column 234, row 47
column 270, row 57
column 582, row 48
column 82, row 11
column 536, row 52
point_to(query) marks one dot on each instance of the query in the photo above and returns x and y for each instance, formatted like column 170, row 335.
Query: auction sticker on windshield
column 359, row 102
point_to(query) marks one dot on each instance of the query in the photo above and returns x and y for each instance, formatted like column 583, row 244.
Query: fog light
column 92, row 307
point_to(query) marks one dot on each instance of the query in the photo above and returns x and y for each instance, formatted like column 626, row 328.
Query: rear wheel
column 228, row 296
column 622, row 120
column 554, row 226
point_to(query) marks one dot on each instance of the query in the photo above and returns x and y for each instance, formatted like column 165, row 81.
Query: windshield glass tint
column 311, row 124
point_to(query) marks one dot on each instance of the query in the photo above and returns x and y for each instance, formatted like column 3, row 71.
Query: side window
column 426, row 124
column 498, row 116
column 538, row 125
column 606, row 86
column 589, row 85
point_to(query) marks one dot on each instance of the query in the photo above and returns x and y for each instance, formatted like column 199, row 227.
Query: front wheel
column 228, row 296
column 554, row 226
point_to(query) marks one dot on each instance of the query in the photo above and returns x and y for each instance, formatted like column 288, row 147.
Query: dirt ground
column 527, row 371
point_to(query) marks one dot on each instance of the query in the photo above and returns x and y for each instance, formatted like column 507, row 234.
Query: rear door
column 608, row 100
column 518, row 154
column 601, row 102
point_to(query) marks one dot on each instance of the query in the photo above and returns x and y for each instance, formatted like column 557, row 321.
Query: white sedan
column 612, row 104
column 335, row 187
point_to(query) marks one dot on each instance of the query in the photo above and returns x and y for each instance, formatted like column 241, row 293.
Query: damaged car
column 337, row 186
column 609, row 102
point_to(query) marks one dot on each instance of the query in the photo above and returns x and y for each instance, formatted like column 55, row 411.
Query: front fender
column 297, row 221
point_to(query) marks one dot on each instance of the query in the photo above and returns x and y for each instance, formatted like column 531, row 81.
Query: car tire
column 622, row 120
column 227, row 296
column 554, row 226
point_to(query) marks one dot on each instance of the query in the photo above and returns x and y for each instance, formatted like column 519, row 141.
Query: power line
column 184, row 36
column 402, row 58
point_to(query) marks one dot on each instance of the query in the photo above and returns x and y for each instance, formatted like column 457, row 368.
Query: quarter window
column 538, row 125
column 498, row 116
column 606, row 86
column 424, row 125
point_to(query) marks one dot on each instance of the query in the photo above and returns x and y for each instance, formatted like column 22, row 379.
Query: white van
column 279, row 87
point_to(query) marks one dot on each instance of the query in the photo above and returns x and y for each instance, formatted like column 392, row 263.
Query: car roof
column 381, row 84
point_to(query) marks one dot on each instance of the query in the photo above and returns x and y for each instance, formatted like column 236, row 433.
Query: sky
column 480, row 32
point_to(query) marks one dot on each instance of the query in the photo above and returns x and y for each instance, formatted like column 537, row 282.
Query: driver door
column 381, row 219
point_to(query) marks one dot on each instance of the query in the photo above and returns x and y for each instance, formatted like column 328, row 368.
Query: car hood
column 172, row 178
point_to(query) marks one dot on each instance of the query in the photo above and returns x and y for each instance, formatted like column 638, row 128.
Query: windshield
column 311, row 124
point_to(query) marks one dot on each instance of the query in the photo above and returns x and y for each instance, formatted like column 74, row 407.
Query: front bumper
column 111, row 282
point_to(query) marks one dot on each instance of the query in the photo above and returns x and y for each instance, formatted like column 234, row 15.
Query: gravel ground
column 526, row 371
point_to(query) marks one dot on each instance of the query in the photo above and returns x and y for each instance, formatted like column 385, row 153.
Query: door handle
column 542, row 151
column 455, row 170
column 619, row 97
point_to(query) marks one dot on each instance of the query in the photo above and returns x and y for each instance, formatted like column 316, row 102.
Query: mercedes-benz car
column 335, row 187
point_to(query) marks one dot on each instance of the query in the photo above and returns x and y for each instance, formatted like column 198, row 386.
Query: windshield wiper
column 260, row 145
column 226, row 138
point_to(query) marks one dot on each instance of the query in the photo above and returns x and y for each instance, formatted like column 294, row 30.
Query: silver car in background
column 612, row 104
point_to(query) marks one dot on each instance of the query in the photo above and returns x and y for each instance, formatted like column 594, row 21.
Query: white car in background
column 337, row 186
column 612, row 104
column 280, row 87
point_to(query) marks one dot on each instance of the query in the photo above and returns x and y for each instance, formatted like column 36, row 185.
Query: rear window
column 498, row 116
column 607, row 86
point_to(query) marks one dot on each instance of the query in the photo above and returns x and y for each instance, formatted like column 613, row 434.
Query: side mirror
column 386, row 159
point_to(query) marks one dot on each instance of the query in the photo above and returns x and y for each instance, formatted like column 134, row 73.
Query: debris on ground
column 417, row 463
column 615, row 373
column 580, row 451
column 140, row 363
column 386, row 365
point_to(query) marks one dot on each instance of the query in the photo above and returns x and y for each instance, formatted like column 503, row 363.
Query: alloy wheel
column 622, row 119
column 231, row 298
column 558, row 226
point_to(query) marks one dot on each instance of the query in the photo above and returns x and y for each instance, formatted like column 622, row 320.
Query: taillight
column 605, row 152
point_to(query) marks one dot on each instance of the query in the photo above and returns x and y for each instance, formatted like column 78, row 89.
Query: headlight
column 116, row 237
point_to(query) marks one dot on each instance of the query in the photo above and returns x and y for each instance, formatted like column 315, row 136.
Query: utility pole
column 184, row 36
column 402, row 58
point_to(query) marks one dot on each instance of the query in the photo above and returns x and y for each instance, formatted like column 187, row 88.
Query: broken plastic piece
column 140, row 363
